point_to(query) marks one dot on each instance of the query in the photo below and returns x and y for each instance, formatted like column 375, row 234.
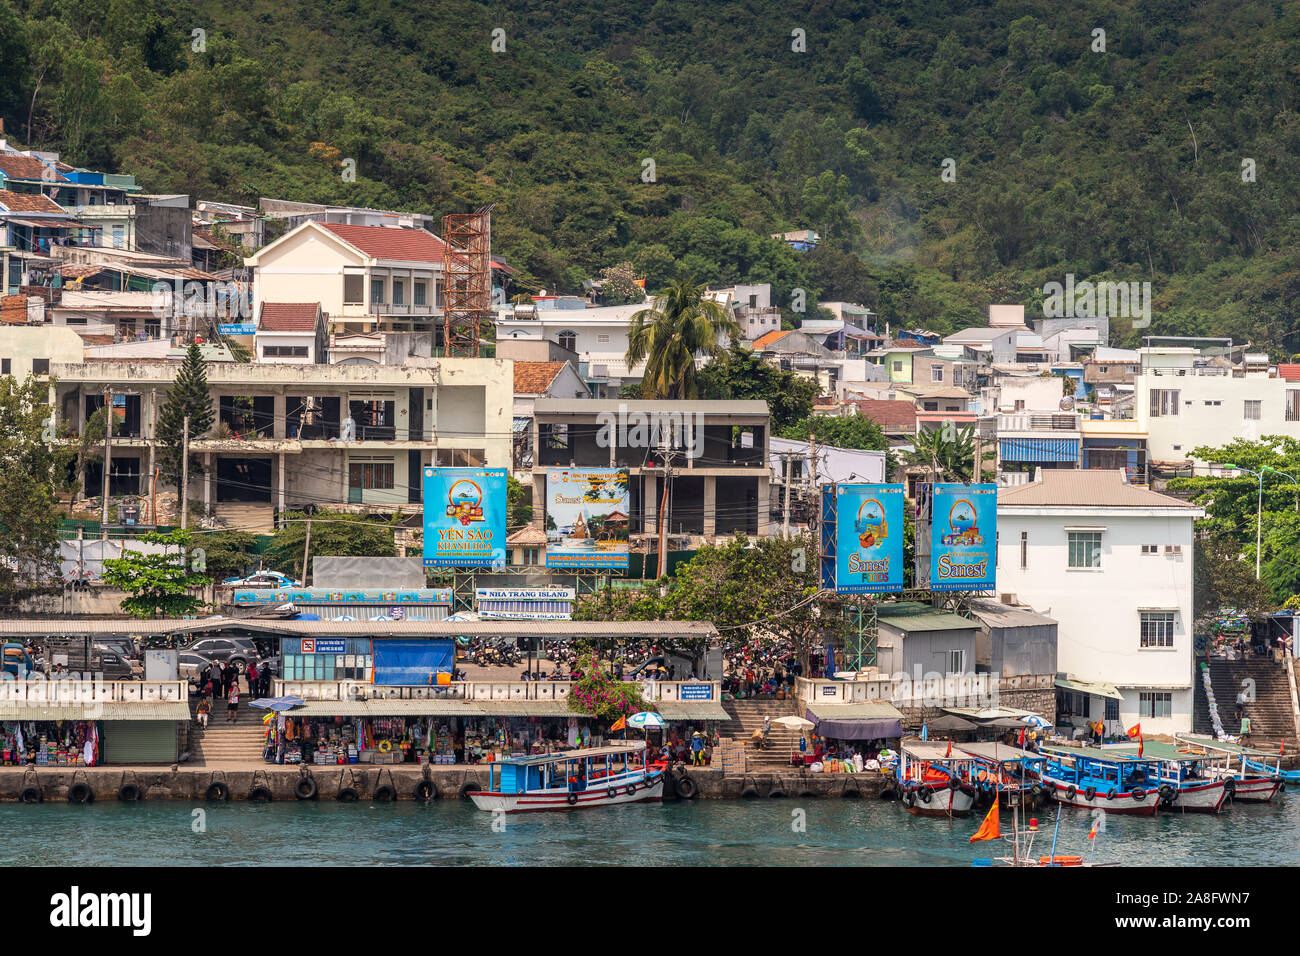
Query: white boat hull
column 1256, row 790
column 943, row 803
column 1124, row 802
column 645, row 791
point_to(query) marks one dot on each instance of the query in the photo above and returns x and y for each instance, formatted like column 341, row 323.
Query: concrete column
column 650, row 503
column 278, row 428
column 710, row 505
column 764, row 505
column 207, row 482
column 281, row 464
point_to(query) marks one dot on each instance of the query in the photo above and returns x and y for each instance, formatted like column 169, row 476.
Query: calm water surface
column 703, row 833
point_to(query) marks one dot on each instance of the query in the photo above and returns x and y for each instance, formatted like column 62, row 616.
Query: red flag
column 949, row 753
column 1022, row 736
column 1281, row 748
column 989, row 829
column 1135, row 731
column 1139, row 746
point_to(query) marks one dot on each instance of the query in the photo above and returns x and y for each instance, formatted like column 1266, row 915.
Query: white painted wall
column 1098, row 610
column 1202, row 422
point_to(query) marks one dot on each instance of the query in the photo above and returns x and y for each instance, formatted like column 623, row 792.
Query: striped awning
column 1040, row 449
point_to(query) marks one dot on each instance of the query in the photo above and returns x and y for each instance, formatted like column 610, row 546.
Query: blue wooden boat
column 571, row 780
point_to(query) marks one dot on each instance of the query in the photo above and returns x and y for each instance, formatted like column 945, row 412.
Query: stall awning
column 862, row 721
column 1087, row 687
column 671, row 710
column 134, row 710
column 525, row 708
column 422, row 708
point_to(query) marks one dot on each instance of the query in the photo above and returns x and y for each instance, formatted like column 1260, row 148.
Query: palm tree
column 950, row 452
column 678, row 326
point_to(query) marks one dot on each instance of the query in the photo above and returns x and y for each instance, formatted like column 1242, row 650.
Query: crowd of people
column 221, row 680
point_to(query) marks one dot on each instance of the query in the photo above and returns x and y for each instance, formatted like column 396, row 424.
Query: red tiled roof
column 889, row 414
column 28, row 167
column 534, row 378
column 767, row 338
column 389, row 242
column 1289, row 372
column 28, row 202
column 289, row 316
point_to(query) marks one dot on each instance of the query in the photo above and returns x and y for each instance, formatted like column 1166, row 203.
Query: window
column 1020, row 405
column 399, row 292
column 1024, row 549
column 5, row 365
column 1157, row 629
column 418, row 293
column 1112, row 709
column 1150, row 549
column 956, row 662
column 1164, row 401
column 371, row 474
column 1155, row 705
column 931, row 406
column 898, row 366
column 1293, row 405
column 40, row 366
column 354, row 290
column 284, row 351
column 603, row 338
column 568, row 340
column 531, row 556
column 936, row 373
column 1251, row 410
column 1085, row 549
column 377, row 291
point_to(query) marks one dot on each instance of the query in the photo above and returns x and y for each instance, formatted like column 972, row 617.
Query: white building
column 598, row 336
column 1183, row 401
column 1112, row 563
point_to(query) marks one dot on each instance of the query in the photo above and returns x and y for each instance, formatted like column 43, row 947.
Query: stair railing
column 1290, row 685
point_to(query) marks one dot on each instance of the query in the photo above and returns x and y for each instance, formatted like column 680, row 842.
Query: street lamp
column 1259, row 503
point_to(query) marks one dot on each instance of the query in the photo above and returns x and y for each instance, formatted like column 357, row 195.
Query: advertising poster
column 464, row 517
column 587, row 518
column 869, row 539
column 964, row 532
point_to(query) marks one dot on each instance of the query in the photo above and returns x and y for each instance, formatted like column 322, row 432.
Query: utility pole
column 663, row 517
column 306, row 550
column 787, row 458
column 185, row 473
column 108, row 431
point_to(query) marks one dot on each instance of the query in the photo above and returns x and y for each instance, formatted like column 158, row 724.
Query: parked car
column 123, row 645
column 17, row 661
column 229, row 650
column 113, row 665
column 263, row 579
column 190, row 664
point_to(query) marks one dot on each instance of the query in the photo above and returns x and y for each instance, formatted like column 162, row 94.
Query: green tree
column 598, row 694
column 619, row 286
column 188, row 396
column 517, row 497
column 853, row 431
column 160, row 583
column 30, row 465
column 228, row 554
column 333, row 533
column 679, row 326
column 1226, row 579
column 949, row 451
column 739, row 374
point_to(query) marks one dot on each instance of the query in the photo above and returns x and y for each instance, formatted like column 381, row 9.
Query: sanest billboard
column 869, row 539
column 964, row 532
column 587, row 518
column 464, row 517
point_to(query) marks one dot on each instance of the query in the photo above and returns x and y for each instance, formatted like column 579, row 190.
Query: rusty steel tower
column 468, row 295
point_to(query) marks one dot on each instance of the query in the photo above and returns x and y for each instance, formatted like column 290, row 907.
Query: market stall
column 50, row 743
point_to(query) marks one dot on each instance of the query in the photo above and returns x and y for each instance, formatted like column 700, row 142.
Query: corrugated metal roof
column 691, row 710
column 863, row 710
column 433, row 629
column 525, row 708
column 162, row 710
column 1004, row 615
column 386, row 708
column 909, row 616
column 590, row 407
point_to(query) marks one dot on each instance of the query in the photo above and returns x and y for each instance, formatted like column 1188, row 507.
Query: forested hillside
column 1126, row 164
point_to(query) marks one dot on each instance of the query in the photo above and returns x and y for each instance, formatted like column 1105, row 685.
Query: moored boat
column 1257, row 777
column 1003, row 772
column 571, row 780
column 1091, row 779
column 933, row 779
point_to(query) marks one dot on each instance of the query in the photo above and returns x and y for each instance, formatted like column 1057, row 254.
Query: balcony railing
column 1039, row 421
column 479, row 690
column 64, row 692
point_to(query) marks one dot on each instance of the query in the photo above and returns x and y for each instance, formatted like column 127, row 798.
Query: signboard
column 324, row 645
column 587, row 518
column 464, row 517
column 541, row 604
column 868, row 539
column 237, row 328
column 964, row 524
column 367, row 596
column 695, row 692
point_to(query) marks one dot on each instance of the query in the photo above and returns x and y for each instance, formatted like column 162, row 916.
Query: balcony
column 1038, row 422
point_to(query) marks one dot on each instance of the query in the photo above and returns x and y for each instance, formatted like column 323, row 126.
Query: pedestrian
column 253, row 675
column 1245, row 728
column 232, row 704
column 202, row 711
column 697, row 749
column 1241, row 702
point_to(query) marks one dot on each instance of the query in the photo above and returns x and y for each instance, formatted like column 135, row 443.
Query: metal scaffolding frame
column 468, row 280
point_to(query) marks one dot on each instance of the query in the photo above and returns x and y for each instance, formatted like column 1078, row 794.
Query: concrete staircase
column 747, row 717
column 224, row 743
column 1270, row 715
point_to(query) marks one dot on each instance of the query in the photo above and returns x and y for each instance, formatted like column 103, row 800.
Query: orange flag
column 1092, row 834
column 989, row 829
column 1135, row 731
column 949, row 753
column 1139, row 746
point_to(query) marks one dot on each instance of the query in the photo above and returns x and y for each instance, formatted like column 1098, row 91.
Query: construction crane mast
column 468, row 295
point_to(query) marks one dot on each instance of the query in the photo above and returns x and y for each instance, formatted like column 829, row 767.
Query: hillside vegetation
column 1125, row 165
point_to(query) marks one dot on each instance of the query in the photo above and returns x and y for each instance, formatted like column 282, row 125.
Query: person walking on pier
column 232, row 704
column 202, row 711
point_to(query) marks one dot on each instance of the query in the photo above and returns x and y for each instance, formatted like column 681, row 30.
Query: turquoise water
column 702, row 833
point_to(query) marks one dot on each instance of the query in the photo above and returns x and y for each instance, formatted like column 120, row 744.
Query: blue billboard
column 868, row 539
column 964, row 532
column 464, row 517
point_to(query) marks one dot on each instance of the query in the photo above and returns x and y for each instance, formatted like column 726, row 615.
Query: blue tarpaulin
column 414, row 661
column 1040, row 449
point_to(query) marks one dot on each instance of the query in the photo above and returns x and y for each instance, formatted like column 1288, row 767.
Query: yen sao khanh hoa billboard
column 869, row 539
column 964, row 532
column 587, row 518
column 465, row 517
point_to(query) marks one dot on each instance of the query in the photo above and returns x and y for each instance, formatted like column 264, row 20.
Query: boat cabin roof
column 1222, row 746
column 1169, row 752
column 610, row 750
column 934, row 752
column 1096, row 753
column 1003, row 753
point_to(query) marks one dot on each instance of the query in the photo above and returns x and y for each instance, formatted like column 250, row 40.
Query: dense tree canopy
column 950, row 155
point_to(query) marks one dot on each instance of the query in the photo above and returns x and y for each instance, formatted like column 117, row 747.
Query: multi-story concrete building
column 1113, row 564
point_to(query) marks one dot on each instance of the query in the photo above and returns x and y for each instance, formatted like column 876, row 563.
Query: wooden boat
column 1095, row 779
column 572, row 780
column 1000, row 770
column 933, row 779
column 1257, row 777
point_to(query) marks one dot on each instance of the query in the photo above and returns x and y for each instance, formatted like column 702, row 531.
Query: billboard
column 868, row 539
column 464, row 517
column 587, row 518
column 964, row 532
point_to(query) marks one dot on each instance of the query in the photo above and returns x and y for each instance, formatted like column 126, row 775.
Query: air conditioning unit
column 1007, row 598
